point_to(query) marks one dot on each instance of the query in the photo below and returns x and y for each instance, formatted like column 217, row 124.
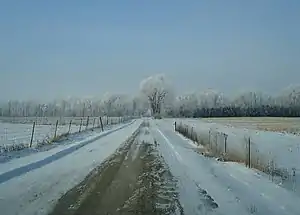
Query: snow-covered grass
column 14, row 136
column 20, row 134
column 277, row 124
column 272, row 152
column 62, row 120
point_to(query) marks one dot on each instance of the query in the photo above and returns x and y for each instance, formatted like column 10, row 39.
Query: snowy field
column 18, row 131
column 274, row 152
column 61, row 120
column 278, row 124
column 21, row 133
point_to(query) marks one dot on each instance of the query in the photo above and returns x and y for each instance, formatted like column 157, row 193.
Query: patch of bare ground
column 134, row 180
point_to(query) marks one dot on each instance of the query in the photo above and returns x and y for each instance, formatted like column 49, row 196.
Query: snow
column 266, row 146
column 21, row 133
column 23, row 161
column 17, row 134
column 205, row 185
column 37, row 191
column 190, row 142
column 24, row 150
column 233, row 187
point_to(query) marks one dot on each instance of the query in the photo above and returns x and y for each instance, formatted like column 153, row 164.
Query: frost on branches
column 156, row 88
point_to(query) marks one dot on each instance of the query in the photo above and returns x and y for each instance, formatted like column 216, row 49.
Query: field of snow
column 273, row 152
column 61, row 120
column 19, row 130
column 279, row 124
column 11, row 134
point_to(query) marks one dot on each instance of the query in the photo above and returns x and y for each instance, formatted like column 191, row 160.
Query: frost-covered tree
column 156, row 89
column 157, row 95
column 118, row 104
column 186, row 104
column 252, row 99
column 123, row 105
column 107, row 103
column 289, row 96
column 211, row 98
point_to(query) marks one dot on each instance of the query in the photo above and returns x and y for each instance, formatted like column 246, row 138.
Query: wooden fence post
column 70, row 127
column 87, row 122
column 210, row 145
column 55, row 128
column 32, row 133
column 107, row 120
column 216, row 145
column 249, row 152
column 94, row 123
column 80, row 125
column 225, row 143
column 175, row 126
column 101, row 123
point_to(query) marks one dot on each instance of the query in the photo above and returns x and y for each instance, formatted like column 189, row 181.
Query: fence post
column 80, row 125
column 87, row 122
column 94, row 123
column 217, row 146
column 209, row 133
column 225, row 143
column 32, row 133
column 55, row 128
column 249, row 152
column 70, row 127
column 192, row 134
column 107, row 120
column 175, row 126
column 101, row 123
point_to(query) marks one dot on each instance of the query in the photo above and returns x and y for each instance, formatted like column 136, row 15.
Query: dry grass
column 276, row 124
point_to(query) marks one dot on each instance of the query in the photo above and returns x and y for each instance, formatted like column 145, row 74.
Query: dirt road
column 134, row 180
column 157, row 171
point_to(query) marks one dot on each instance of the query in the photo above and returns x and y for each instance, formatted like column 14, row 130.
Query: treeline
column 262, row 111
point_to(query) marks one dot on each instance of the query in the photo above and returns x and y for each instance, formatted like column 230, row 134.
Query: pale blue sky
column 59, row 48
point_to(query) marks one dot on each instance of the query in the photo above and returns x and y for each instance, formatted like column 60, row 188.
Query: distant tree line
column 263, row 111
column 211, row 103
column 110, row 105
column 157, row 97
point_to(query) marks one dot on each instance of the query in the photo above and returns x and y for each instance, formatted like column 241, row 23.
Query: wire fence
column 272, row 153
column 20, row 132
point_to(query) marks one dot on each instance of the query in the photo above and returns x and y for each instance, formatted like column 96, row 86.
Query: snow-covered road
column 32, row 185
column 225, row 188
